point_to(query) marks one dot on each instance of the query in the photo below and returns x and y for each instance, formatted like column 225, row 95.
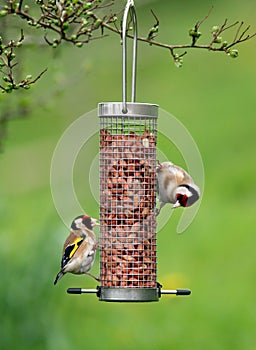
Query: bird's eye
column 87, row 222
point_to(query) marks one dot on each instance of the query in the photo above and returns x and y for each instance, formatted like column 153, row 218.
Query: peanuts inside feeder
column 127, row 200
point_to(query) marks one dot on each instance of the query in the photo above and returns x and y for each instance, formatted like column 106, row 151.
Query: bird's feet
column 157, row 211
column 96, row 278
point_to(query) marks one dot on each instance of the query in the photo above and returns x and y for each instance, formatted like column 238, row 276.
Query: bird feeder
column 128, row 243
column 127, row 201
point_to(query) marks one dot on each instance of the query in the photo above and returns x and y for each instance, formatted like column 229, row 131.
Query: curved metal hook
column 129, row 6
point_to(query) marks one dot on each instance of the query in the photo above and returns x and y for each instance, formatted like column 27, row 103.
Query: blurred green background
column 214, row 97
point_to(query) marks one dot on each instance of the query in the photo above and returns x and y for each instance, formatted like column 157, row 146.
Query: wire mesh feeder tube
column 128, row 261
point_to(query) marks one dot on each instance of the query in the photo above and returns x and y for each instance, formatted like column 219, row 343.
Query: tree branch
column 77, row 21
column 216, row 39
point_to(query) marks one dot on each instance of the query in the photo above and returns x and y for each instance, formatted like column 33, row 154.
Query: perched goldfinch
column 175, row 186
column 79, row 248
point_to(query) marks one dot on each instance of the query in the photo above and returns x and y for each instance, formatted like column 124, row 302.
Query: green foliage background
column 214, row 97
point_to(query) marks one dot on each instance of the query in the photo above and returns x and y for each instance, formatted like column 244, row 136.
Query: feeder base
column 128, row 294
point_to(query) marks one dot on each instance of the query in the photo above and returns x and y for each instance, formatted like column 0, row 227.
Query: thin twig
column 20, row 5
column 183, row 54
column 157, row 20
column 100, row 7
column 238, row 30
column 246, row 30
column 204, row 19
column 39, row 76
column 94, row 38
column 230, row 26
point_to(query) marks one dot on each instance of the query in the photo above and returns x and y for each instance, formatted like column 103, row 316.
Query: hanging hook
column 129, row 5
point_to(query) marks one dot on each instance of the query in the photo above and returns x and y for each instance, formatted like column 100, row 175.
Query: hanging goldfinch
column 175, row 186
column 79, row 248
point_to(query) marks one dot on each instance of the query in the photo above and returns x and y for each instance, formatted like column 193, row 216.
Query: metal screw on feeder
column 128, row 135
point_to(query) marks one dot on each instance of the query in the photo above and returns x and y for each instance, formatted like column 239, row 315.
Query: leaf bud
column 217, row 39
column 3, row 13
column 87, row 5
column 215, row 29
column 97, row 23
column 194, row 33
column 65, row 26
column 224, row 44
column 233, row 53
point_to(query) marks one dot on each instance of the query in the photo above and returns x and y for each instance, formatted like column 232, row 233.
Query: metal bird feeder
column 127, row 191
column 128, row 136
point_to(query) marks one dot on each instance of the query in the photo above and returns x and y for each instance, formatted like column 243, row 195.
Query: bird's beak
column 94, row 222
column 176, row 205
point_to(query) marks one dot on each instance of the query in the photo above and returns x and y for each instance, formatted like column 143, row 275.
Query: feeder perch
column 128, row 136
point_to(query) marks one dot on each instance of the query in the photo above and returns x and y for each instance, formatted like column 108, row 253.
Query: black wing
column 70, row 251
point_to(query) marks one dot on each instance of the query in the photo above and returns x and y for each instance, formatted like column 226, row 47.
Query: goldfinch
column 175, row 186
column 79, row 248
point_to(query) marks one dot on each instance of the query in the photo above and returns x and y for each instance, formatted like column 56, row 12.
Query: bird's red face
column 86, row 220
column 182, row 199
column 186, row 196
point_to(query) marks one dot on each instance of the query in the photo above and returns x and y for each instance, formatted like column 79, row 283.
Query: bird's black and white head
column 186, row 195
column 83, row 220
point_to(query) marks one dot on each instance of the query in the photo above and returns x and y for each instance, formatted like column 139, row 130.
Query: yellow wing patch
column 70, row 251
column 75, row 245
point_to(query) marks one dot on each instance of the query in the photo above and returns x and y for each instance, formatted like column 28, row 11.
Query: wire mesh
column 127, row 201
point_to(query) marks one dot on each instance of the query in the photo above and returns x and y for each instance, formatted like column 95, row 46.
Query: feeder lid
column 133, row 109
